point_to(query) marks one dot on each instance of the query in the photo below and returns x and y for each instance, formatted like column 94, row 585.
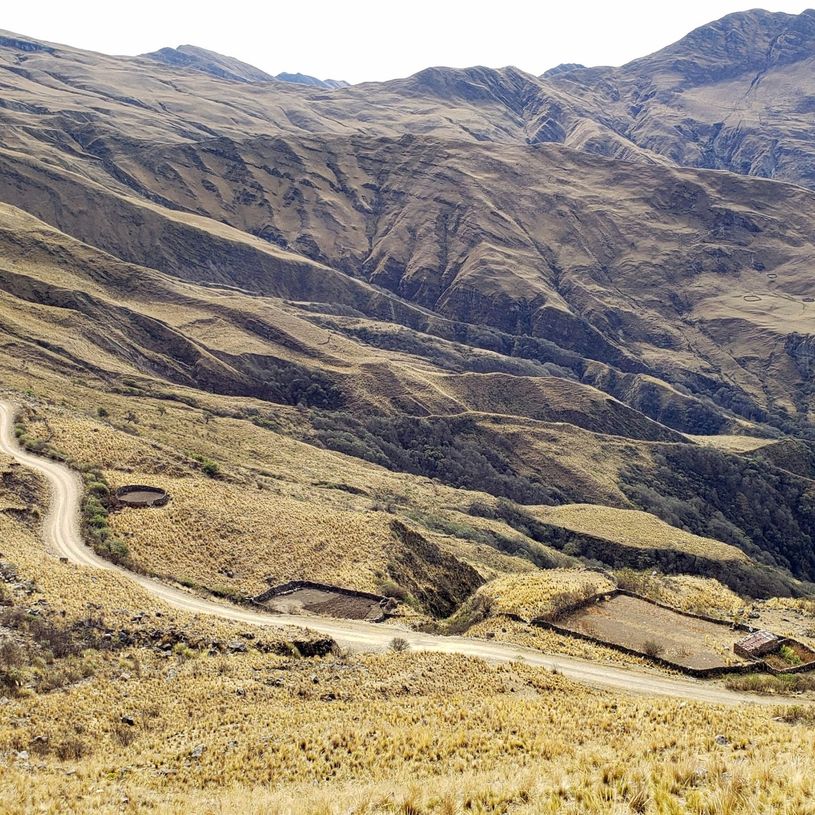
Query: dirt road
column 63, row 538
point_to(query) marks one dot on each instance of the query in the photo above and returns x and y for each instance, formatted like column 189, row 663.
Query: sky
column 360, row 40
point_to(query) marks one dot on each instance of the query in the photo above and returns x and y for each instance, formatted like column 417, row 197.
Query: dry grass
column 800, row 605
column 777, row 685
column 636, row 529
column 544, row 593
column 700, row 595
column 211, row 530
column 505, row 629
column 288, row 509
column 280, row 508
column 362, row 735
column 270, row 519
column 395, row 731
column 731, row 443
column 72, row 593
column 790, row 617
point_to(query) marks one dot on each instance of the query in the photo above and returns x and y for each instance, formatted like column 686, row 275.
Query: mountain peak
column 313, row 81
column 563, row 68
column 234, row 70
column 509, row 86
column 735, row 44
column 209, row 62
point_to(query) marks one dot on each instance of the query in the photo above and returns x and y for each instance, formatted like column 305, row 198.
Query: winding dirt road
column 63, row 538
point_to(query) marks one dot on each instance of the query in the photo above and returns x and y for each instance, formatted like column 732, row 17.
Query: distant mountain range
column 209, row 62
column 736, row 94
column 623, row 255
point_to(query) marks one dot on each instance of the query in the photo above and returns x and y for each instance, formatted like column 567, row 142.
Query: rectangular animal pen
column 637, row 625
column 757, row 644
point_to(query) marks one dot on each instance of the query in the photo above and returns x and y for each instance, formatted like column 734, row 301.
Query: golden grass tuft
column 544, row 593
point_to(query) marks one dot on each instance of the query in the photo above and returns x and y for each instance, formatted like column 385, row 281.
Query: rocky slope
column 736, row 95
column 529, row 286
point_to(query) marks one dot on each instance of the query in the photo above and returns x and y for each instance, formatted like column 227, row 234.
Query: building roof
column 756, row 640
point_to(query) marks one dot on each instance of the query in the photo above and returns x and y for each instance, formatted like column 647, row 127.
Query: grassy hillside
column 300, row 733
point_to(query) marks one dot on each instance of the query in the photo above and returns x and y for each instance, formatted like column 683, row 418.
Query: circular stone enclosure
column 139, row 495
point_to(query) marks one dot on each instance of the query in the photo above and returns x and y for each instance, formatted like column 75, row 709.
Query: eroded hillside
column 429, row 293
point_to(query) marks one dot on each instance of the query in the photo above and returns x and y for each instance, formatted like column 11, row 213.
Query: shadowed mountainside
column 433, row 288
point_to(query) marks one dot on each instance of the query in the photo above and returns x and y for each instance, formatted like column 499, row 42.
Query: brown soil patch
column 636, row 624
column 326, row 603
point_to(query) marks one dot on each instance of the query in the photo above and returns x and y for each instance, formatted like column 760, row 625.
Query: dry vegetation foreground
column 250, row 733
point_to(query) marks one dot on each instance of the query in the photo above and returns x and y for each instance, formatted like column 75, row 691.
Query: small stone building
column 757, row 644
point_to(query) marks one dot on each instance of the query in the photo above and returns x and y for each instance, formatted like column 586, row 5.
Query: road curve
column 63, row 537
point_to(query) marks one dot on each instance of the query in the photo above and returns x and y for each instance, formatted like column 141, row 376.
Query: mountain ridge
column 500, row 267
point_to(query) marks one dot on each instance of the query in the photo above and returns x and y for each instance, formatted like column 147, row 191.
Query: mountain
column 504, row 265
column 191, row 57
column 305, row 79
column 209, row 62
column 736, row 95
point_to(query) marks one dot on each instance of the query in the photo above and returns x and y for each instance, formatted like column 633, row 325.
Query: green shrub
column 98, row 488
column 789, row 655
column 95, row 519
column 210, row 468
column 475, row 610
column 117, row 550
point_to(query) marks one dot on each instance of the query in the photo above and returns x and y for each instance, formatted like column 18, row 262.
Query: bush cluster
column 95, row 520
column 767, row 512
column 43, row 654
column 455, row 450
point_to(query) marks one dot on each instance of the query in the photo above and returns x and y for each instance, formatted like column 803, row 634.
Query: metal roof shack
column 757, row 644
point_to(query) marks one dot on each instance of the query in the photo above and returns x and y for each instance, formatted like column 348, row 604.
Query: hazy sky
column 359, row 40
